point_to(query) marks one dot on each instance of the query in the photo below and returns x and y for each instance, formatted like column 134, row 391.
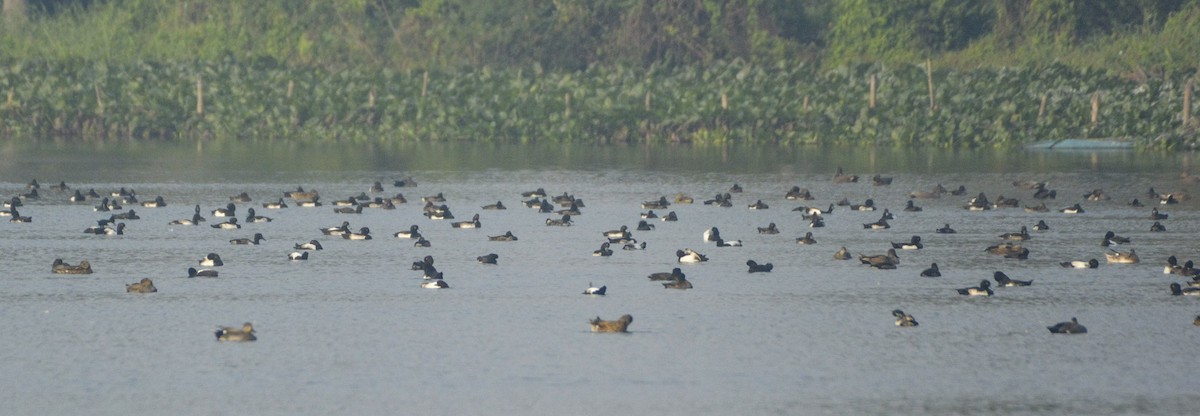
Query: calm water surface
column 351, row 332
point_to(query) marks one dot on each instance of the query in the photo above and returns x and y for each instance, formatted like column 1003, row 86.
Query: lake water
column 351, row 331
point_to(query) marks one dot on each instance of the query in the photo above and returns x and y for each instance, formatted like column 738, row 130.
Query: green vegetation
column 704, row 71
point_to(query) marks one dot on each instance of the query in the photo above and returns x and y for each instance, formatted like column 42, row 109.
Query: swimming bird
column 758, row 205
column 1069, row 327
column 842, row 254
column 593, row 290
column 1157, row 227
column 310, row 203
column 473, row 223
column 275, row 205
column 881, row 261
column 357, row 209
column 759, row 268
column 107, row 229
column 674, row 274
column 1096, row 195
column 310, row 245
column 910, row 207
column 1155, row 215
column 339, row 230
column 604, row 250
column 1129, row 257
column 251, row 216
column 841, row 177
column 60, row 267
column 680, row 282
column 644, row 226
column 1135, row 203
column 936, row 192
column 537, row 193
column 1005, row 249
column 195, row 220
column 412, row 232
column 400, row 183
column 490, row 258
column 143, row 286
column 1004, row 281
column 497, row 206
column 631, row 246
column 240, row 198
column 258, row 237
column 435, row 284
column 769, row 229
column 1041, row 226
column 423, row 263
column 211, row 260
column 230, row 224
column 796, row 193
column 809, row 211
column 158, row 202
column 17, row 217
column 868, row 205
column 233, row 334
column 1037, row 208
column 507, row 236
column 946, row 230
column 128, row 215
column 619, row 325
column 565, row 221
column 807, row 239
column 881, row 180
column 904, row 319
column 661, row 203
column 687, row 255
column 1017, row 236
column 298, row 255
column 1081, row 264
column 1111, row 238
column 422, row 242
column 984, row 289
column 229, row 211
column 192, row 272
column 731, row 243
column 978, row 203
column 439, row 198
column 913, row 243
column 1073, row 209
column 932, row 271
column 1178, row 290
column 363, row 233
column 881, row 224
column 623, row 232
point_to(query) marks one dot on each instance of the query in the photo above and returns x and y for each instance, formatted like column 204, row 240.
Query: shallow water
column 351, row 332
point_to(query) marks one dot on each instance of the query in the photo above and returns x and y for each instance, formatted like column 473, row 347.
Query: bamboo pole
column 199, row 95
column 424, row 84
column 929, row 82
column 871, row 97
column 1095, row 108
column 1187, row 103
column 1042, row 108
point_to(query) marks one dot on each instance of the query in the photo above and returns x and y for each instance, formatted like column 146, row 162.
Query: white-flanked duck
column 769, row 229
column 984, row 289
column 565, row 221
column 158, row 202
column 193, row 272
column 435, row 284
column 1017, row 236
column 1124, row 257
column 211, row 260
column 230, row 224
column 1004, row 281
column 275, row 205
column 661, row 203
column 913, row 243
column 473, row 223
column 868, row 205
column 593, row 290
column 798, row 194
column 310, row 245
column 1041, row 226
column 507, row 236
column 298, row 255
column 1081, row 264
column 251, row 216
column 258, row 237
column 1073, row 209
column 412, row 232
column 688, row 255
column 623, row 232
column 759, row 205
column 363, row 233
column 807, row 240
column 670, row 217
column 230, row 210
column 1178, row 290
column 604, row 250
column 339, row 230
column 730, row 243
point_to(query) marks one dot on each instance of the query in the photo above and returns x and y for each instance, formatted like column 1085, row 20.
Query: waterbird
column 234, row 334
column 619, row 325
column 143, row 286
column 904, row 319
column 593, row 290
column 1069, row 327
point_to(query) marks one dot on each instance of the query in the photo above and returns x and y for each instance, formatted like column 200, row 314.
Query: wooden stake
column 1095, row 108
column 199, row 95
column 1042, row 108
column 724, row 101
column 99, row 100
column 424, row 84
column 567, row 105
column 647, row 101
column 1187, row 103
column 371, row 98
column 805, row 106
column 871, row 97
column 929, row 82
column 291, row 86
column 9, row 103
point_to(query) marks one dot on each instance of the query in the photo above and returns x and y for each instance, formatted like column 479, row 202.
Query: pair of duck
column 675, row 279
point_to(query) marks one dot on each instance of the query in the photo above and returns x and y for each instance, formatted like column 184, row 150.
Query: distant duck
column 680, row 283
column 881, row 180
column 241, row 198
column 33, row 184
column 572, row 209
column 1129, row 257
column 423, row 263
column 1002, row 202
column 809, row 211
column 904, row 319
column 913, row 243
column 1069, row 327
column 412, row 232
column 1041, row 226
column 1038, row 208
column 687, row 255
column 984, row 289
column 311, row 203
column 1043, row 193
column 868, row 205
column 507, row 236
column 230, row 224
column 15, row 202
column 604, row 250
column 758, row 205
column 233, row 334
column 1004, row 281
column 229, row 211
column 841, row 177
column 1178, row 290
column 1081, row 264
column 796, row 193
column 644, row 226
column 275, row 205
column 109, row 229
column 712, row 234
column 1157, row 227
column 807, row 239
column 881, row 224
column 593, row 290
column 105, row 205
column 759, row 268
column 1135, row 203
column 310, row 245
column 375, row 188
column 61, row 186
column 192, row 272
column 816, row 221
column 735, row 188
column 211, row 260
column 911, row 207
column 1111, row 238
column 298, row 255
column 406, row 182
column 497, row 206
column 158, row 202
column 769, row 229
column 1155, row 215
column 960, row 191
column 77, row 197
column 60, row 267
column 127, row 215
column 842, row 254
column 731, row 243
column 356, row 209
column 932, row 271
column 619, row 325
column 623, row 232
column 339, row 230
column 258, row 237
column 978, row 203
column 473, row 223
column 143, row 286
column 195, row 220
column 631, row 246
column 1096, row 195
column 251, row 216
column 721, row 200
column 1073, row 209
column 1004, row 249
column 537, row 193
column 674, row 274
column 565, row 221
column 435, row 284
column 881, row 261
column 661, row 203
column 380, row 203
column 490, row 258
column 887, row 215
column 363, row 233
column 1017, row 236
column 439, row 198
column 18, row 218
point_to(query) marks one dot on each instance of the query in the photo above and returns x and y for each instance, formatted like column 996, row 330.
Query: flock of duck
column 564, row 207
